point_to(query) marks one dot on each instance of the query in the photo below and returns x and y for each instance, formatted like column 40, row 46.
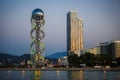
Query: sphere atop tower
column 37, row 14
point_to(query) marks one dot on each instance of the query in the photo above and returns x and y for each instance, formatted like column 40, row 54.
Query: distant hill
column 12, row 59
column 9, row 56
column 5, row 56
column 8, row 59
column 25, row 56
column 57, row 55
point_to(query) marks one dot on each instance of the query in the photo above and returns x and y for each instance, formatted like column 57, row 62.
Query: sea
column 60, row 75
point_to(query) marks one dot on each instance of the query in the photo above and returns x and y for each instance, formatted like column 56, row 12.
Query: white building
column 63, row 61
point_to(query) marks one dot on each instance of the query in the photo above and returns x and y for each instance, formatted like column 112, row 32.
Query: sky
column 101, row 23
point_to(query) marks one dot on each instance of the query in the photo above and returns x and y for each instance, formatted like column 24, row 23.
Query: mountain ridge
column 57, row 55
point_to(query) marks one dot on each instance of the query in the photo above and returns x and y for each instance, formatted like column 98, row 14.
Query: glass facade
column 74, row 32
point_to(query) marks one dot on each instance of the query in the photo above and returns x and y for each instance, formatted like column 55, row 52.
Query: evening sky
column 101, row 23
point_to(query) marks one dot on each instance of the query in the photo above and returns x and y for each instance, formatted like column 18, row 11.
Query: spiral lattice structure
column 37, row 46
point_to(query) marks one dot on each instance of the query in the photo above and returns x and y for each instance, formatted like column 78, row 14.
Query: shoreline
column 59, row 69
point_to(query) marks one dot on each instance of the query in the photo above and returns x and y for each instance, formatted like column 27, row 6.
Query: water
column 59, row 75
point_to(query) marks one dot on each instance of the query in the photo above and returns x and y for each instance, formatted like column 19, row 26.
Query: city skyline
column 101, row 23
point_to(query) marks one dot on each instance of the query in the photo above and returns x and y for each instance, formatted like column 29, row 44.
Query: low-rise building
column 95, row 50
column 63, row 61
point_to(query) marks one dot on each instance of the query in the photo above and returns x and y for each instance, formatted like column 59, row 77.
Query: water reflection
column 104, row 75
column 9, row 72
column 37, row 75
column 75, row 75
column 57, row 75
column 81, row 75
column 23, row 73
column 60, row 75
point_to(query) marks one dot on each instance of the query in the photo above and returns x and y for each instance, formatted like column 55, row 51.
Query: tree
column 73, row 60
column 88, row 59
column 118, row 61
column 103, row 59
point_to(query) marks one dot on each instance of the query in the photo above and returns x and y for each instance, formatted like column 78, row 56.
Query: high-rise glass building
column 74, row 33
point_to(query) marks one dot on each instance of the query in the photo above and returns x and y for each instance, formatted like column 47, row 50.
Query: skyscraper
column 74, row 33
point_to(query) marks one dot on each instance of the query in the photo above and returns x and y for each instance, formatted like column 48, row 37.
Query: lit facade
column 116, row 48
column 74, row 32
column 95, row 50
